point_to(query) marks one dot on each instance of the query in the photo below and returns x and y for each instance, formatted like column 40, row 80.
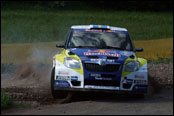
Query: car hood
column 86, row 54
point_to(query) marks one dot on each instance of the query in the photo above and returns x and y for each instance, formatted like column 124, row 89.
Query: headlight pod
column 71, row 63
column 132, row 66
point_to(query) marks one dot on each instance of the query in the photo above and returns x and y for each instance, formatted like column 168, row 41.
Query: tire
column 139, row 96
column 59, row 96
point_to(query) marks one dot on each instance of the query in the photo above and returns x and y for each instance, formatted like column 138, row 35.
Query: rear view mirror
column 60, row 46
column 139, row 49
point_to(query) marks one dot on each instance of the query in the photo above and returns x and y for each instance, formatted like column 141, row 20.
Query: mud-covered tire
column 59, row 96
column 139, row 96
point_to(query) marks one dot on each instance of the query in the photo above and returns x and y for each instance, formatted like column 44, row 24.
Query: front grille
column 99, row 68
column 102, row 82
column 108, row 76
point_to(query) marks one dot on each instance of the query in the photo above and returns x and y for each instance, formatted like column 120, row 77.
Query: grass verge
column 21, row 105
column 6, row 101
column 160, row 60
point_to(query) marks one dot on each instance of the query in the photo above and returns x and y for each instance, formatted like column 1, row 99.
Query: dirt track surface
column 31, row 84
column 161, row 103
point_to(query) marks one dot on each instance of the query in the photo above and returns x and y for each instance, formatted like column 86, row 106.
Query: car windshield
column 104, row 40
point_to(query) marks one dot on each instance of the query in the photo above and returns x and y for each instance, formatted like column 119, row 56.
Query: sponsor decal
column 104, row 60
column 74, row 78
column 62, row 84
column 89, row 53
column 99, row 78
column 95, row 75
column 101, row 52
column 99, row 30
column 63, row 73
column 66, row 78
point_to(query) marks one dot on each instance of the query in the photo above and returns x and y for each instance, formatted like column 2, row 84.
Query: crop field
column 155, row 49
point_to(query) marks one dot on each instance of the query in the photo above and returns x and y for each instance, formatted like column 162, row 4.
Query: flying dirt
column 31, row 77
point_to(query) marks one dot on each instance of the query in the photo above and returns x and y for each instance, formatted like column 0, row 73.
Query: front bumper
column 135, row 91
column 70, row 80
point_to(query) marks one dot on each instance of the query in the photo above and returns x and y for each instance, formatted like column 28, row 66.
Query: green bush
column 6, row 100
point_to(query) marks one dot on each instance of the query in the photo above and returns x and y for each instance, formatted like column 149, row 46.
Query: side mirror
column 139, row 49
column 60, row 46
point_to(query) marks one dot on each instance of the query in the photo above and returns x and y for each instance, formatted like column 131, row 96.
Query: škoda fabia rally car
column 98, row 58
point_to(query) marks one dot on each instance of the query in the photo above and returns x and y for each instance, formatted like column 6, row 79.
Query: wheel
column 59, row 96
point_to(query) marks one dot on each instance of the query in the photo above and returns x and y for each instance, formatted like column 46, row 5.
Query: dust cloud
column 35, row 72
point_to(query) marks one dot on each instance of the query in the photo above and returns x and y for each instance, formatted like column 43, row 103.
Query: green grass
column 162, row 60
column 6, row 101
column 22, row 105
column 23, row 26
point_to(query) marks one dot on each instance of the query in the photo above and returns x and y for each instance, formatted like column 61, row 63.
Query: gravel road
column 157, row 104
column 158, row 101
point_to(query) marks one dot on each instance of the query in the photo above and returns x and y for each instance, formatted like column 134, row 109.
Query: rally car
column 98, row 58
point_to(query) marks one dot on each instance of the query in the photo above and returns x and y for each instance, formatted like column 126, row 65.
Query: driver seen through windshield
column 93, row 39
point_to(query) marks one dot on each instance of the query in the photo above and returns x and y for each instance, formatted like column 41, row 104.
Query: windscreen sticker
column 99, row 30
column 101, row 51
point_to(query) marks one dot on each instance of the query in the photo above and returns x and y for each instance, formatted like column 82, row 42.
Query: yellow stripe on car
column 140, row 60
column 64, row 53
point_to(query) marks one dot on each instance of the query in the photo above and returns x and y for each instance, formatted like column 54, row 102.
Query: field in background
column 30, row 26
column 27, row 34
column 16, row 53
column 155, row 49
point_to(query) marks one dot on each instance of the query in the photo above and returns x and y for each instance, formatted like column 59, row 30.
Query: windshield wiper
column 85, row 47
column 99, row 47
column 110, row 47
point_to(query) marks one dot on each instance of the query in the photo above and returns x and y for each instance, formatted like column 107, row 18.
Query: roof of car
column 97, row 26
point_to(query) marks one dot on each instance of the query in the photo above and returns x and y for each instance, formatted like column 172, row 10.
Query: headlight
column 132, row 66
column 72, row 63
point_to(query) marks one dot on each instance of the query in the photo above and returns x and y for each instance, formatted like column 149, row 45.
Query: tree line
column 162, row 5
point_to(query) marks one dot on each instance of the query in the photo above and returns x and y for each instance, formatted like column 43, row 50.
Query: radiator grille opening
column 100, row 68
